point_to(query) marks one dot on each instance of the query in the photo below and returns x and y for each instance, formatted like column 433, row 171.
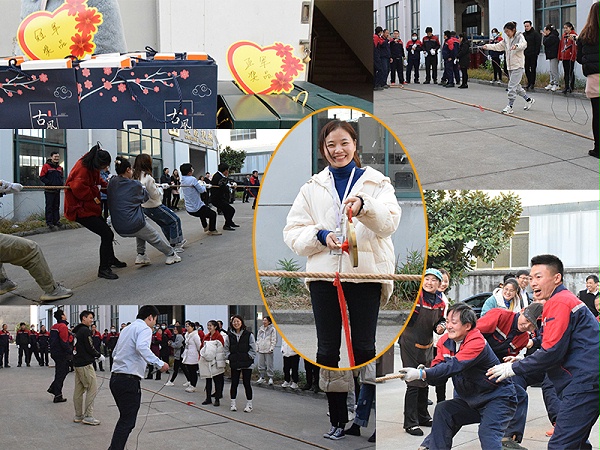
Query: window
column 375, row 19
column 114, row 317
column 242, row 135
column 415, row 16
column 131, row 143
column 556, row 12
column 391, row 17
column 94, row 309
column 74, row 315
column 517, row 254
column 33, row 148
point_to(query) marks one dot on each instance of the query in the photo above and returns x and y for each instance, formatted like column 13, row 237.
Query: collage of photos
column 272, row 228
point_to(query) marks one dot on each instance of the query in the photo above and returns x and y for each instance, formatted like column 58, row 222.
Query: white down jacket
column 515, row 59
column 315, row 209
column 212, row 359
column 266, row 339
column 336, row 380
column 191, row 354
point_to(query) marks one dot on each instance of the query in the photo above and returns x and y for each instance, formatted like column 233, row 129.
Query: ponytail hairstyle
column 121, row 165
column 142, row 163
column 511, row 26
column 96, row 158
column 550, row 27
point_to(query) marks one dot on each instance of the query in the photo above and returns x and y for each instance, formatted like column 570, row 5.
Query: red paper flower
column 33, row 77
column 79, row 88
column 87, row 21
column 107, row 85
column 81, row 45
column 156, row 89
column 292, row 66
column 121, row 87
column 145, row 91
column 184, row 74
column 107, row 71
column 9, row 93
column 282, row 82
column 114, row 99
column 75, row 6
column 85, row 72
column 283, row 50
column 88, row 84
column 1, row 100
column 19, row 91
column 43, row 77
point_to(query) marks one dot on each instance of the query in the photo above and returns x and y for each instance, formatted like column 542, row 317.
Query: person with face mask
column 414, row 47
column 494, row 56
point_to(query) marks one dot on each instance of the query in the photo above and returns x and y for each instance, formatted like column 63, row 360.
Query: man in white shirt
column 522, row 277
column 130, row 357
column 590, row 293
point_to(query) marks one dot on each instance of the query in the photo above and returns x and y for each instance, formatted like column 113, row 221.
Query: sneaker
column 261, row 380
column 338, row 434
column 498, row 82
column 206, row 229
column 90, row 421
column 228, row 228
column 294, row 385
column 179, row 247
column 186, row 384
column 7, row 286
column 270, row 381
column 507, row 110
column 77, row 419
column 554, row 88
column 285, row 384
column 144, row 259
column 214, row 233
column 190, row 389
column 174, row 258
column 58, row 293
column 492, row 81
column 248, row 407
column 414, row 431
column 509, row 444
column 169, row 383
column 330, row 432
column 529, row 104
column 233, row 406
column 548, row 87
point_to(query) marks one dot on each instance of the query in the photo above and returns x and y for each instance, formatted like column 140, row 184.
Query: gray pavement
column 214, row 269
column 280, row 419
column 454, row 146
column 391, row 435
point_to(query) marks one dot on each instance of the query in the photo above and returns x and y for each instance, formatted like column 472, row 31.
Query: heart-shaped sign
column 263, row 70
column 69, row 30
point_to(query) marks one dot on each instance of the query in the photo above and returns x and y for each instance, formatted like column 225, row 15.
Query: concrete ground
column 454, row 146
column 391, row 434
column 280, row 419
column 214, row 269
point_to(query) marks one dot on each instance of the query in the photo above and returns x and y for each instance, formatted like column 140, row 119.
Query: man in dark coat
column 534, row 45
column 52, row 175
column 219, row 195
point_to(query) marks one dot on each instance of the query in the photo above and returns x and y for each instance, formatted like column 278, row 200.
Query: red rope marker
column 342, row 300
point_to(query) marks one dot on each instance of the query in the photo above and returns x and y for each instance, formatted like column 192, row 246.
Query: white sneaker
column 285, row 384
column 548, row 87
column 186, row 384
column 498, row 82
column 529, row 104
column 508, row 110
column 174, row 258
column 58, row 293
column 248, row 407
column 90, row 421
column 294, row 385
column 206, row 229
column 261, row 380
column 190, row 389
column 169, row 383
column 233, row 406
column 144, row 259
column 554, row 88
column 491, row 82
column 270, row 381
column 214, row 233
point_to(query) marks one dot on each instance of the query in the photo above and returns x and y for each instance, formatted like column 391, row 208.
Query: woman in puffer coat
column 514, row 44
column 336, row 384
column 191, row 356
column 212, row 362
column 318, row 210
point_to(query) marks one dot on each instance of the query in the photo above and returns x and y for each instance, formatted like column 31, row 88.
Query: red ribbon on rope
column 342, row 300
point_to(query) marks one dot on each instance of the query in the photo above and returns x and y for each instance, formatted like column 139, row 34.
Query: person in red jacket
column 52, row 175
column 569, row 355
column 567, row 53
column 61, row 351
column 44, row 344
column 413, row 57
column 83, row 205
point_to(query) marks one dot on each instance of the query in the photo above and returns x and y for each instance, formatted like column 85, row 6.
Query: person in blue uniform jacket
column 463, row 354
column 569, row 354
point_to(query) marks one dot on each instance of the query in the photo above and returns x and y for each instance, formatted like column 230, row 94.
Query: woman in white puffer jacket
column 310, row 231
column 191, row 356
column 212, row 362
